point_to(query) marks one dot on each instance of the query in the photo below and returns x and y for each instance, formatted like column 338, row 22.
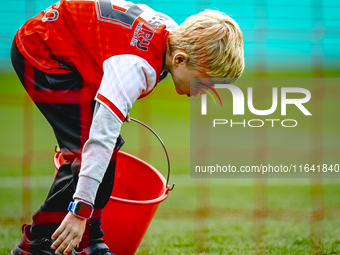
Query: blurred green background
column 216, row 216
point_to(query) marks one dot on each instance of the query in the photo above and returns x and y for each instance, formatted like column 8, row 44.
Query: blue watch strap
column 81, row 209
column 71, row 206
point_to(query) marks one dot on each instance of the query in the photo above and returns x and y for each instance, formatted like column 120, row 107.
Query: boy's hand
column 69, row 233
column 127, row 119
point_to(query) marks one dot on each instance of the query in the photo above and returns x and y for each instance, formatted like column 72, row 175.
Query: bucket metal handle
column 165, row 150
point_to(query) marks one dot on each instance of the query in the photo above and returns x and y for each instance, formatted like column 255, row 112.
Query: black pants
column 67, row 103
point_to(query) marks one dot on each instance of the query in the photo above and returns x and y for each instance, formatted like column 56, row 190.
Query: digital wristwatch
column 81, row 209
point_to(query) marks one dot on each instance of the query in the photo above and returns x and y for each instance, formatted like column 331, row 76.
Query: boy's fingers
column 68, row 235
column 77, row 240
column 71, row 245
column 59, row 240
column 65, row 244
column 61, row 248
column 57, row 232
column 127, row 119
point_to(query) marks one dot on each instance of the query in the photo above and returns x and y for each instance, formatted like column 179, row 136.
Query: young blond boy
column 84, row 64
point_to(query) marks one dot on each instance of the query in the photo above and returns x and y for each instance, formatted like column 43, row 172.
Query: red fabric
column 77, row 37
column 57, row 217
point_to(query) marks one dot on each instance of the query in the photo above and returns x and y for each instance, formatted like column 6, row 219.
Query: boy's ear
column 179, row 58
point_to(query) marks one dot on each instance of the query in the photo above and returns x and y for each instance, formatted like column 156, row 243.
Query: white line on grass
column 17, row 182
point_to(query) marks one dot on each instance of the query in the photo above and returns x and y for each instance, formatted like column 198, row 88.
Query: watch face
column 83, row 209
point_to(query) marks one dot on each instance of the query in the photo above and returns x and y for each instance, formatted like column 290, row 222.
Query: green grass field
column 177, row 228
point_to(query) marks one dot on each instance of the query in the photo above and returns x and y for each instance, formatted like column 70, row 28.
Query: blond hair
column 213, row 42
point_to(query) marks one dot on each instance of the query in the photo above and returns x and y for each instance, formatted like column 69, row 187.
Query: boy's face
column 181, row 77
column 181, row 73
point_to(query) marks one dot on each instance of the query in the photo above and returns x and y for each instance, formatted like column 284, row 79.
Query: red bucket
column 138, row 190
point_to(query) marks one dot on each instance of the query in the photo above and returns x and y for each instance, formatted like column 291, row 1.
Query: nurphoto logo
column 238, row 108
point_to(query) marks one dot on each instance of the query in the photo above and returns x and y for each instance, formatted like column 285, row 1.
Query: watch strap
column 81, row 209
